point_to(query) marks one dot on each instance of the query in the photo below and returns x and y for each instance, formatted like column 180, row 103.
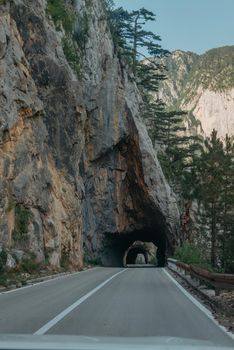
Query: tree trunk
column 135, row 45
column 213, row 237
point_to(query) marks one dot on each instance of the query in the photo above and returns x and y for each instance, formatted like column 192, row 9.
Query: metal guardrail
column 217, row 280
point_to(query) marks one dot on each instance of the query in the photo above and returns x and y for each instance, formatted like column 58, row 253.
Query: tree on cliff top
column 132, row 39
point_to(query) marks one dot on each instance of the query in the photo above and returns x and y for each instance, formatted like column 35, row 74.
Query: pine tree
column 227, row 198
column 139, row 38
column 131, row 39
column 167, row 129
column 209, row 190
column 118, row 20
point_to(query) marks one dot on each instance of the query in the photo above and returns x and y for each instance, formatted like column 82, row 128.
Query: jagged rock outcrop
column 204, row 86
column 78, row 172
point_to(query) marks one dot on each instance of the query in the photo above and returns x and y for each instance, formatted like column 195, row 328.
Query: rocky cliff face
column 79, row 177
column 203, row 86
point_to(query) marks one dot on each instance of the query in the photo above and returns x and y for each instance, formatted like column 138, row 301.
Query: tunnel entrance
column 140, row 253
column 123, row 249
column 140, row 260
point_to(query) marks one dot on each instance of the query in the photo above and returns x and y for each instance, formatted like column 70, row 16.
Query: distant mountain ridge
column 203, row 85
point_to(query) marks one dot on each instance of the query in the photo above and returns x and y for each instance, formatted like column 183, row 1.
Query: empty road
column 129, row 302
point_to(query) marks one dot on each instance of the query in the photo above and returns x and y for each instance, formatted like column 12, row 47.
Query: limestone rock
column 18, row 254
column 10, row 263
column 75, row 153
column 127, row 196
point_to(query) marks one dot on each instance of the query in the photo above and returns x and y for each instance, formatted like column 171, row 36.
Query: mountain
column 79, row 179
column 203, row 85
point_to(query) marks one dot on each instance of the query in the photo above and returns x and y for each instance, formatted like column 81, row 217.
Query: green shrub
column 76, row 29
column 71, row 54
column 3, row 260
column 23, row 282
column 61, row 15
column 22, row 219
column 64, row 261
column 3, row 280
column 81, row 31
column 69, row 50
column 29, row 265
column 189, row 254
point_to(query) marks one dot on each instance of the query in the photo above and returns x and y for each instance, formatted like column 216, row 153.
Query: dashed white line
column 65, row 312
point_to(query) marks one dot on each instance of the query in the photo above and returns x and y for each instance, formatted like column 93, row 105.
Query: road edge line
column 197, row 303
column 70, row 308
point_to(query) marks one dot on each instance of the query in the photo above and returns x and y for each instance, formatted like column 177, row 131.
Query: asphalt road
column 133, row 302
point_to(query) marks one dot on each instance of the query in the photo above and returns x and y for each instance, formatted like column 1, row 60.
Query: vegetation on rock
column 29, row 264
column 3, row 259
column 22, row 219
column 61, row 14
column 75, row 28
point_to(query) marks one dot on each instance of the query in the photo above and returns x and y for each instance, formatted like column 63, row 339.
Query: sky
column 189, row 25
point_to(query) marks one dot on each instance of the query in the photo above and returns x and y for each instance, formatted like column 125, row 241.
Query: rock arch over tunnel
column 122, row 249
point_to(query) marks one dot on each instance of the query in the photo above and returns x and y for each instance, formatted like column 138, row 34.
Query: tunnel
column 134, row 210
column 136, row 249
column 131, row 254
column 123, row 249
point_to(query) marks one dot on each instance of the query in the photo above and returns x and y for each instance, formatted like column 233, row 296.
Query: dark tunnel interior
column 136, row 249
column 123, row 249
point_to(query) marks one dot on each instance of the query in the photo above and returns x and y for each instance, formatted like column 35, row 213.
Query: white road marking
column 65, row 312
column 34, row 284
column 207, row 312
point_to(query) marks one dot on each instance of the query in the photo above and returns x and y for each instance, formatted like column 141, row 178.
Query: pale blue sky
column 189, row 25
